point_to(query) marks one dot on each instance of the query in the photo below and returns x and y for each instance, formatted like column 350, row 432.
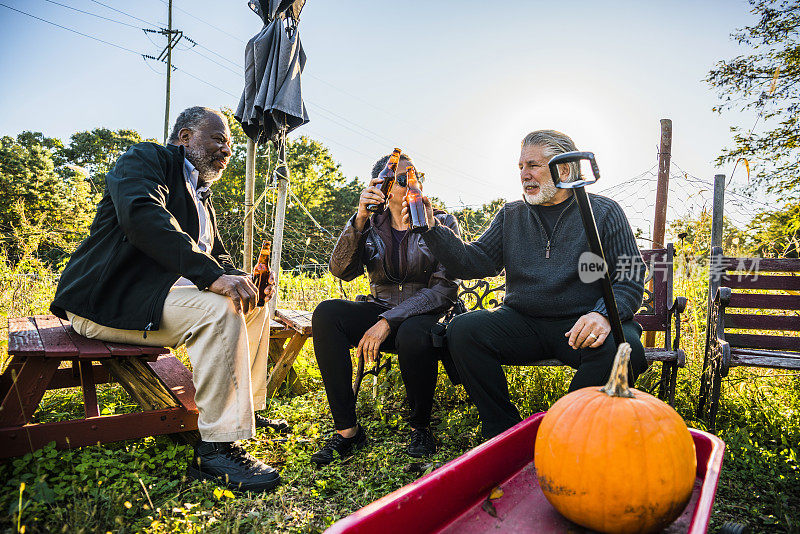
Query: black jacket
column 422, row 286
column 143, row 238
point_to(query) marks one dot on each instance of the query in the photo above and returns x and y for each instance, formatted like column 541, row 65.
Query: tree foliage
column 473, row 222
column 98, row 150
column 777, row 233
column 767, row 81
column 43, row 210
column 319, row 192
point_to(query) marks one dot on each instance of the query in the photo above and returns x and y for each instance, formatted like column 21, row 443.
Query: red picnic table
column 46, row 353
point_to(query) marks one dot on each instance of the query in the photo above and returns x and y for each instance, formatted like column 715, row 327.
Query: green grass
column 137, row 486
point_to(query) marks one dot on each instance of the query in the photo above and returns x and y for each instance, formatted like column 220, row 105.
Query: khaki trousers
column 228, row 352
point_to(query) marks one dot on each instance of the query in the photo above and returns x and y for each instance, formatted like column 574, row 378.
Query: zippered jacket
column 542, row 274
column 143, row 238
column 421, row 286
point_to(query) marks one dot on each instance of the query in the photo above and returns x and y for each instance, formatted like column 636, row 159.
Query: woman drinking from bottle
column 409, row 293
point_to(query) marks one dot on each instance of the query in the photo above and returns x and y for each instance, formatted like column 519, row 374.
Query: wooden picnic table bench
column 660, row 312
column 46, row 353
column 764, row 337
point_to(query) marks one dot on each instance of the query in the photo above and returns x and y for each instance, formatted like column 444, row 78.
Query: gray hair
column 555, row 143
column 192, row 118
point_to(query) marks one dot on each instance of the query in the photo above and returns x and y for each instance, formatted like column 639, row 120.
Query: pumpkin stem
column 617, row 385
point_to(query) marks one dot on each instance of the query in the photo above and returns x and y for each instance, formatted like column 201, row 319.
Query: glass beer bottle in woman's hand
column 416, row 208
column 387, row 177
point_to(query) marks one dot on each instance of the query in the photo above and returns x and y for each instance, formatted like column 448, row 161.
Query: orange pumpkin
column 615, row 459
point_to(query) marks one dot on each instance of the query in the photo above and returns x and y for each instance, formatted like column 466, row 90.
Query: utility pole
column 173, row 36
column 169, row 69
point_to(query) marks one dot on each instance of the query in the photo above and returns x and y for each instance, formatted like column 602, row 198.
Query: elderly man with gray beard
column 154, row 271
column 548, row 312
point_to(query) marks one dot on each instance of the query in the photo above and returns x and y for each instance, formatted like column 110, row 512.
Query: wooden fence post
column 662, row 192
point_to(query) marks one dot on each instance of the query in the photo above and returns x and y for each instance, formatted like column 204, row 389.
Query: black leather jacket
column 420, row 287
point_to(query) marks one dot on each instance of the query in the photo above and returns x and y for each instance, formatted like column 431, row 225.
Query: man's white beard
column 546, row 193
column 207, row 174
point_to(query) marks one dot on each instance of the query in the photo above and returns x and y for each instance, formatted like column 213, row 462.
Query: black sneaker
column 422, row 443
column 338, row 443
column 278, row 425
column 229, row 465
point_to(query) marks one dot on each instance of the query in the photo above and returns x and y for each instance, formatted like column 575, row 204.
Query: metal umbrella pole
column 590, row 226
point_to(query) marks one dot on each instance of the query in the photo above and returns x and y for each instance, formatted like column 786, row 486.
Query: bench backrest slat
column 753, row 341
column 762, row 322
column 766, row 265
column 762, row 301
column 56, row 341
column 23, row 337
column 654, row 315
column 650, row 323
column 760, row 281
column 748, row 274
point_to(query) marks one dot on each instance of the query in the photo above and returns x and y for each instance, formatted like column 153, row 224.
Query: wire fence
column 307, row 244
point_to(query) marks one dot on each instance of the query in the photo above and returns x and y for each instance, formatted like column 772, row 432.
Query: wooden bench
column 287, row 336
column 660, row 312
column 753, row 342
column 46, row 353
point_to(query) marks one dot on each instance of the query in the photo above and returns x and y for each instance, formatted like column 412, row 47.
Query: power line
column 470, row 151
column 237, row 72
column 418, row 154
column 71, row 30
column 206, row 23
column 123, row 13
column 189, row 74
column 93, row 14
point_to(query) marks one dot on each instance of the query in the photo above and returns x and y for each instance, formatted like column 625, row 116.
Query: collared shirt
column 191, row 175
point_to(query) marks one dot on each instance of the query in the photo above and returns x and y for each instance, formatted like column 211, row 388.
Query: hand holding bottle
column 429, row 218
column 371, row 195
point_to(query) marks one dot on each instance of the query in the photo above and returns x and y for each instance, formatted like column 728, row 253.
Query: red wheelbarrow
column 454, row 498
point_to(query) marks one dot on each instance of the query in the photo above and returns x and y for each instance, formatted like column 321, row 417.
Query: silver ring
column 593, row 335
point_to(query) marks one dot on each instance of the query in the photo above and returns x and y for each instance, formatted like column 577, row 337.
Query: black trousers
column 481, row 341
column 339, row 325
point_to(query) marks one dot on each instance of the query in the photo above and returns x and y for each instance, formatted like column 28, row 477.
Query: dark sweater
column 542, row 274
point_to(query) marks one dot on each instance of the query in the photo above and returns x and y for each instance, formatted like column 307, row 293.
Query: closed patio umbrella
column 271, row 106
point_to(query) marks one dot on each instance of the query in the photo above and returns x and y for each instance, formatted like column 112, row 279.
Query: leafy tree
column 777, row 233
column 473, row 222
column 98, row 151
column 318, row 187
column 41, row 211
column 767, row 81
column 693, row 238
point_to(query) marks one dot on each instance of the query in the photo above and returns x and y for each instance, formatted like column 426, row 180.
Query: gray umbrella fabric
column 274, row 59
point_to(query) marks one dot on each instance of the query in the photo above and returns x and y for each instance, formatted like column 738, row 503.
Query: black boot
column 422, row 443
column 338, row 443
column 278, row 425
column 229, row 465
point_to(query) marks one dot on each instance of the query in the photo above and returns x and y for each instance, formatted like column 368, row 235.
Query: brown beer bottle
column 387, row 175
column 416, row 209
column 261, row 272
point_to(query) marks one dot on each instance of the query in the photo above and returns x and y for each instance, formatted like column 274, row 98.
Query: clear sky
column 454, row 83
